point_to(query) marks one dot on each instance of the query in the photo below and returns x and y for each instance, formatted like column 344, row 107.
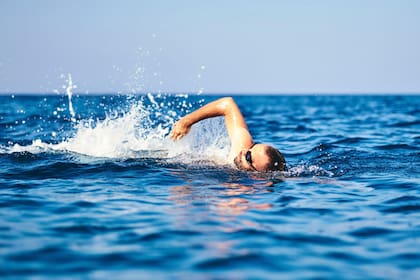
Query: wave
column 389, row 147
column 406, row 123
column 350, row 140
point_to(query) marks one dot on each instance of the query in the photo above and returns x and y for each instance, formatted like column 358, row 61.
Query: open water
column 92, row 188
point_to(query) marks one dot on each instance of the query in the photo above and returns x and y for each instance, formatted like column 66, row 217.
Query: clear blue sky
column 228, row 46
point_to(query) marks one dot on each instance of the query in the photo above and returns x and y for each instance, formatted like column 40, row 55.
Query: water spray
column 69, row 92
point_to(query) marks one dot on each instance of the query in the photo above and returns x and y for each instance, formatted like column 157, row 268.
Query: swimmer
column 245, row 153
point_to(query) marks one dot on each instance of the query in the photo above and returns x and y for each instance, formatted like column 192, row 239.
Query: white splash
column 133, row 135
column 69, row 91
column 311, row 170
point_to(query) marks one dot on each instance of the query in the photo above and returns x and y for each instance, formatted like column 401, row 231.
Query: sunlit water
column 91, row 187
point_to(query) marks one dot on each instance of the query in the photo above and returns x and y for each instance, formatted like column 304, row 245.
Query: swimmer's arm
column 235, row 122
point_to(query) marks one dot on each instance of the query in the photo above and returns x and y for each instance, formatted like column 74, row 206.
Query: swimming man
column 246, row 154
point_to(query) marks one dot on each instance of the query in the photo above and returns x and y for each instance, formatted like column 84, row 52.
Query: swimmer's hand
column 180, row 129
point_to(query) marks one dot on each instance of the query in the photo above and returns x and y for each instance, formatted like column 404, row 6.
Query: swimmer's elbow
column 226, row 103
column 228, row 99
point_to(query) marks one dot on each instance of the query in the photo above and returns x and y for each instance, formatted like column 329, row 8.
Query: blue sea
column 92, row 188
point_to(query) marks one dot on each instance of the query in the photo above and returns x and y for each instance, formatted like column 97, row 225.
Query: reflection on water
column 230, row 200
column 206, row 208
column 236, row 203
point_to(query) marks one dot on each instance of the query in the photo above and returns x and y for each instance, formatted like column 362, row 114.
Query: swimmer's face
column 254, row 159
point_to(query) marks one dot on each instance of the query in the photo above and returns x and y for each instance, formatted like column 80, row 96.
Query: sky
column 218, row 46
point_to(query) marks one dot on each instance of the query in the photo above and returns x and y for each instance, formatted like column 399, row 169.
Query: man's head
column 260, row 157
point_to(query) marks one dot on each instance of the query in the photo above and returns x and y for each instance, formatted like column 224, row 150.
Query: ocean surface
column 91, row 187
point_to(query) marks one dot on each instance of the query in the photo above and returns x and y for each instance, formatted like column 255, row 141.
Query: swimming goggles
column 248, row 159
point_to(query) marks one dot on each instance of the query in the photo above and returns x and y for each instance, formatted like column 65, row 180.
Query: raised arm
column 235, row 123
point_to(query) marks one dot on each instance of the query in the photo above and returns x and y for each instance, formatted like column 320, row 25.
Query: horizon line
column 215, row 93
